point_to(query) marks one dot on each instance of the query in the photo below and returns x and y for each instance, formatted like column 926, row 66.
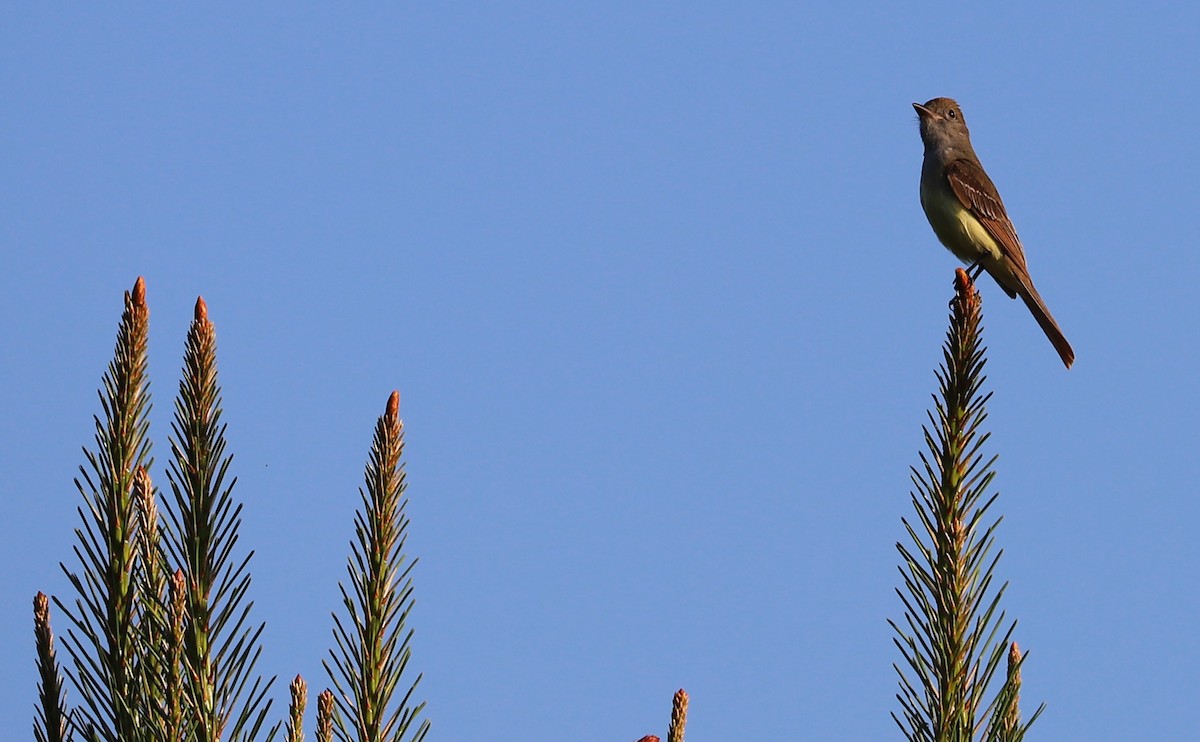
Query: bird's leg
column 975, row 270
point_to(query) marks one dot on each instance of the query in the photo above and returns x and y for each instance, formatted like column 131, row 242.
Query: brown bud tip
column 1014, row 653
column 648, row 738
column 393, row 408
column 41, row 607
column 201, row 309
column 964, row 290
column 139, row 292
column 178, row 591
column 679, row 706
column 961, row 279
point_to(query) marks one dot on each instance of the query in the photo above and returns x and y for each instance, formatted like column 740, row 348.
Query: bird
column 967, row 215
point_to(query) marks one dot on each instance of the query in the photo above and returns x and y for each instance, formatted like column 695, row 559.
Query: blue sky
column 663, row 309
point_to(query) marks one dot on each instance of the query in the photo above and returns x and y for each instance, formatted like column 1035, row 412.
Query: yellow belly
column 958, row 229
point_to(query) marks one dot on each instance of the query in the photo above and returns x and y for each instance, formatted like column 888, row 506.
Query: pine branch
column 152, row 669
column 179, row 712
column 325, row 716
column 218, row 652
column 679, row 705
column 678, row 716
column 954, row 634
column 372, row 642
column 1006, row 724
column 105, row 611
column 295, row 725
column 51, row 722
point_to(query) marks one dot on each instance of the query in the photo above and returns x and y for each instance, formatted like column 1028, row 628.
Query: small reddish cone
column 201, row 309
column 648, row 738
column 139, row 292
column 393, row 408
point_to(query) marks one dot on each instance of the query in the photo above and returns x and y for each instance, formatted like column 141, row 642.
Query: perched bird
column 967, row 215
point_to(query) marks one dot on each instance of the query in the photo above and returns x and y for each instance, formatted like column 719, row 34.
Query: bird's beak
column 922, row 111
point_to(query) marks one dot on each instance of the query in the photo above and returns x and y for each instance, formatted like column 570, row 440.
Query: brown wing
column 976, row 192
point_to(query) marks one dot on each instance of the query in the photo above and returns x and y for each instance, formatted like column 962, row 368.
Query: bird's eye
column 952, row 113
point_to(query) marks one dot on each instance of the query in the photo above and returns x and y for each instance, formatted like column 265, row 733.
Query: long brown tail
column 1034, row 301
